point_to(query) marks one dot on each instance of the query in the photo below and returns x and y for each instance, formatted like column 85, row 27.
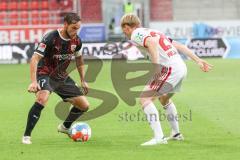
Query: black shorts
column 65, row 89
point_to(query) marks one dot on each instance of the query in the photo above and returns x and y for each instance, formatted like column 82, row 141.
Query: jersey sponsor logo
column 73, row 47
column 63, row 57
column 42, row 47
column 139, row 38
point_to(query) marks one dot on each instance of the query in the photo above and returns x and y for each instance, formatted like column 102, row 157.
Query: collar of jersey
column 62, row 36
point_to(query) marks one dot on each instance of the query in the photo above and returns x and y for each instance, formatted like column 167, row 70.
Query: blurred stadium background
column 211, row 28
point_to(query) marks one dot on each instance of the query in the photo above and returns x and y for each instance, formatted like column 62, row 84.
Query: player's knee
column 42, row 100
column 86, row 105
column 143, row 102
column 164, row 101
column 83, row 106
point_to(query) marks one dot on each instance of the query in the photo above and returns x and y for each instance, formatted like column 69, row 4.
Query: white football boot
column 26, row 140
column 155, row 141
column 61, row 128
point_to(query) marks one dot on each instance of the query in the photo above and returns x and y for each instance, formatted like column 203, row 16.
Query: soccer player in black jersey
column 48, row 74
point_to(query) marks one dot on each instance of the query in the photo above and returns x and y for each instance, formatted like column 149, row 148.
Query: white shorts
column 169, row 80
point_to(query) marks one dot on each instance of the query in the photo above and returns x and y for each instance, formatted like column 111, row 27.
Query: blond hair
column 131, row 20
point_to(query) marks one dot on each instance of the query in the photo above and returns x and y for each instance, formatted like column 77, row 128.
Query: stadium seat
column 24, row 14
column 67, row 5
column 2, row 22
column 54, row 5
column 13, row 15
column 44, row 14
column 35, row 21
column 34, row 14
column 56, row 20
column 23, row 5
column 34, row 5
column 13, row 22
column 3, row 6
column 44, row 5
column 55, row 17
column 24, row 21
column 12, row 5
column 95, row 7
column 3, row 15
column 45, row 21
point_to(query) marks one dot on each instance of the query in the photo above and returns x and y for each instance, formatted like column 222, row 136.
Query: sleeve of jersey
column 78, row 51
column 43, row 46
column 139, row 38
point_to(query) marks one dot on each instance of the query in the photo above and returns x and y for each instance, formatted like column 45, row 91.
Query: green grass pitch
column 209, row 101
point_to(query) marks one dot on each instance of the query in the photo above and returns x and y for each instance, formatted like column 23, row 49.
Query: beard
column 68, row 34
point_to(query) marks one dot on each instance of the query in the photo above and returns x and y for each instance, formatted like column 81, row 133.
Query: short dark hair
column 71, row 18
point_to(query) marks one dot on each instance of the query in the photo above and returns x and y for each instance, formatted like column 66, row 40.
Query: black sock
column 73, row 115
column 33, row 116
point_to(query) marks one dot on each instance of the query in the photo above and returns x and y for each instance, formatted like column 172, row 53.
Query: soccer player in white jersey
column 167, row 77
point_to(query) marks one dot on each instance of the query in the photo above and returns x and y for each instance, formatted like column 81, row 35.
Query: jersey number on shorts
column 41, row 82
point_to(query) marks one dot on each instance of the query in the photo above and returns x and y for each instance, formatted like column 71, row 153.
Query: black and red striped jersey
column 57, row 53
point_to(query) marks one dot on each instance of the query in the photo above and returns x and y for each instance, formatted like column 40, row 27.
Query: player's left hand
column 204, row 65
column 85, row 87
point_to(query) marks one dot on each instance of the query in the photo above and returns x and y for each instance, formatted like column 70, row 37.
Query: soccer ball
column 80, row 132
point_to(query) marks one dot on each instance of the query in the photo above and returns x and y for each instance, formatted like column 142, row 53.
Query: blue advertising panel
column 92, row 33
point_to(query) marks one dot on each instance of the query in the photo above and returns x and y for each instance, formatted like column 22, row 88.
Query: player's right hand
column 34, row 87
column 85, row 87
column 204, row 65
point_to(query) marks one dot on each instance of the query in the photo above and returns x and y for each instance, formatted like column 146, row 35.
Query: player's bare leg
column 80, row 102
column 146, row 99
column 34, row 114
column 172, row 117
column 80, row 105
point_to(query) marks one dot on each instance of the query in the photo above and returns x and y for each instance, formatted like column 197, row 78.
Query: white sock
column 153, row 119
column 172, row 117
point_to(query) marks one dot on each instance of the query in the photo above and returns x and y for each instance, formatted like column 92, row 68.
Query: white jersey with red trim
column 173, row 70
column 168, row 54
